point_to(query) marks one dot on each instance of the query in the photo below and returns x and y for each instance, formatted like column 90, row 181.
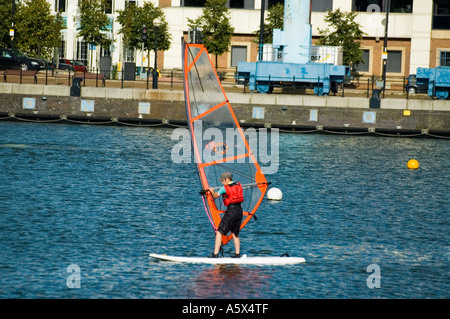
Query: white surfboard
column 228, row 260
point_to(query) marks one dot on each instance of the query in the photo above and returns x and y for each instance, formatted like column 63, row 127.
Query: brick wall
column 437, row 44
column 376, row 49
column 165, row 3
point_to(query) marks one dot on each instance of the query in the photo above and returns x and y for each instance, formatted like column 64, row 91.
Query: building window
column 128, row 54
column 441, row 14
column 322, row 5
column 109, row 6
column 364, row 66
column 82, row 51
column 401, row 6
column 105, row 51
column 62, row 49
column 238, row 53
column 441, row 7
column 110, row 24
column 394, row 62
column 60, row 5
column 233, row 4
column 368, row 5
column 237, row 4
column 193, row 3
column 271, row 3
column 444, row 58
column 130, row 3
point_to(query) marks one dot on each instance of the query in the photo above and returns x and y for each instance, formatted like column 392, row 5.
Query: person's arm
column 218, row 193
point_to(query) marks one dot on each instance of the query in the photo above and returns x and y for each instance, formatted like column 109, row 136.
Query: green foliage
column 38, row 33
column 215, row 25
column 344, row 31
column 133, row 18
column 93, row 24
column 6, row 21
column 275, row 18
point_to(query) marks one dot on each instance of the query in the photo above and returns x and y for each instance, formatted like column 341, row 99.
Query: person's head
column 226, row 177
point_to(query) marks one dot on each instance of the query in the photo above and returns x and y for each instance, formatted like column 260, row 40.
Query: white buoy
column 274, row 194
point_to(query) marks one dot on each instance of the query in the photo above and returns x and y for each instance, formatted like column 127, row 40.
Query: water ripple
column 103, row 198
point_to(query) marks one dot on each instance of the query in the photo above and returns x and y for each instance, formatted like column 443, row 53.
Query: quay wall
column 396, row 116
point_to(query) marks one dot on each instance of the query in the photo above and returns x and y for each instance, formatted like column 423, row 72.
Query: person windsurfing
column 231, row 221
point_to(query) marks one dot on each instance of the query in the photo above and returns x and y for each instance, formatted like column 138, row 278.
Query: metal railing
column 173, row 80
column 170, row 78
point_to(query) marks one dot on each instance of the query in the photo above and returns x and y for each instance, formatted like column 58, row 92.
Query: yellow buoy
column 413, row 164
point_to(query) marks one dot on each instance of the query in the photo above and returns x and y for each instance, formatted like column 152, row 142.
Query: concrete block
column 260, row 99
column 314, row 101
column 358, row 103
column 93, row 92
column 57, row 90
column 138, row 94
column 164, row 95
column 6, row 88
column 441, row 105
column 117, row 93
column 419, row 104
column 28, row 89
column 337, row 101
column 238, row 98
column 393, row 104
column 285, row 99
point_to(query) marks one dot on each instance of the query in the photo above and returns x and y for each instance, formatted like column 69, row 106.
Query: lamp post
column 156, row 24
column 12, row 30
column 144, row 35
column 261, row 31
column 384, row 56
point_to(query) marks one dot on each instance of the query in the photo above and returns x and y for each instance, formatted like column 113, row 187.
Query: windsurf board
column 228, row 260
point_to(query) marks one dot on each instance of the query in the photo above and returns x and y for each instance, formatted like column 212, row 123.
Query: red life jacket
column 234, row 194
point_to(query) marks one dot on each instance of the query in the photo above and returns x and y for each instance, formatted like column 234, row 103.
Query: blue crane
column 294, row 67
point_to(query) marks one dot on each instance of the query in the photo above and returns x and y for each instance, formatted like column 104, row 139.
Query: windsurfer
column 232, row 198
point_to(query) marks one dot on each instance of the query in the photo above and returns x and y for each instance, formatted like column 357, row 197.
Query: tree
column 38, row 33
column 6, row 21
column 129, row 28
column 133, row 18
column 344, row 33
column 215, row 25
column 275, row 18
column 93, row 24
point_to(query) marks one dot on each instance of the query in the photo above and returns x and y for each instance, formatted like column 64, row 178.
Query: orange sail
column 218, row 141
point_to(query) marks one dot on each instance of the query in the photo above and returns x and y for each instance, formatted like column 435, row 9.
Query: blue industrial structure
column 295, row 68
column 436, row 79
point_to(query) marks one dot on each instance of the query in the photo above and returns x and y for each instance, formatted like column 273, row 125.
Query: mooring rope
column 115, row 121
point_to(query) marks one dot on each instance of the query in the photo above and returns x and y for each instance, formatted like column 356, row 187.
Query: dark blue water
column 102, row 198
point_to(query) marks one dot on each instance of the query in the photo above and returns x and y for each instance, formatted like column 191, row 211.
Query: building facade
column 418, row 35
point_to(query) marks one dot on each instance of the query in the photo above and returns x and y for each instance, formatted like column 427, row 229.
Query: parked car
column 49, row 65
column 78, row 65
column 412, row 86
column 65, row 66
column 14, row 59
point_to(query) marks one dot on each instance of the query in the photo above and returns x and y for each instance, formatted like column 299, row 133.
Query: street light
column 385, row 54
column 144, row 36
column 13, row 27
column 261, row 31
column 156, row 24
